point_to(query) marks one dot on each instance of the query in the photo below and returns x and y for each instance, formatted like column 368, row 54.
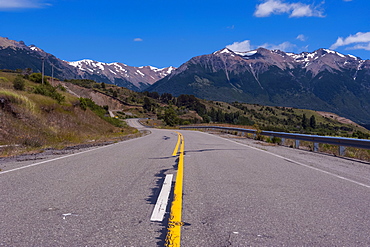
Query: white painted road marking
column 161, row 205
column 65, row 215
column 68, row 214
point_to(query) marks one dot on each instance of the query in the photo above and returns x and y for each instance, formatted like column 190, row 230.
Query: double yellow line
column 173, row 237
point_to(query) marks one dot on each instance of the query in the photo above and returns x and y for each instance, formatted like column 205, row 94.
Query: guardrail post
column 283, row 141
column 316, row 147
column 296, row 143
column 342, row 150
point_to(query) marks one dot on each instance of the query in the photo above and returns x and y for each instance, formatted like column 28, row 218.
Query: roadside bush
column 259, row 137
column 276, row 140
column 19, row 83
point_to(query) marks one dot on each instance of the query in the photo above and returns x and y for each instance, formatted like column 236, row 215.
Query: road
column 234, row 194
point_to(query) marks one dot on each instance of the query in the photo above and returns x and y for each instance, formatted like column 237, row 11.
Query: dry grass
column 32, row 122
column 18, row 98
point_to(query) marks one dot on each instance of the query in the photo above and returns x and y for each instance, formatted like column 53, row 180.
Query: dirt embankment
column 97, row 97
column 337, row 118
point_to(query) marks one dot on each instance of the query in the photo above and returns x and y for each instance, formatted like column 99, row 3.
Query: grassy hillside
column 40, row 116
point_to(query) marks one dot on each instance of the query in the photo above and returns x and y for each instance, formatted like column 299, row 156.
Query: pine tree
column 313, row 122
column 304, row 121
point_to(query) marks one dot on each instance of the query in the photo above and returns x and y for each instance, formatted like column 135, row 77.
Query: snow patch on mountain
column 139, row 76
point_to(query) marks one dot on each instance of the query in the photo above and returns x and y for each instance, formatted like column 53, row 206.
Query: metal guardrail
column 342, row 142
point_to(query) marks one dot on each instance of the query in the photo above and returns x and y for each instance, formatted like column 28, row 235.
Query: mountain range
column 17, row 55
column 322, row 80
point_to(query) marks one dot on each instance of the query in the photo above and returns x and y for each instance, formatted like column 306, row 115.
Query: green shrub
column 50, row 91
column 36, row 77
column 276, row 140
column 19, row 83
column 61, row 88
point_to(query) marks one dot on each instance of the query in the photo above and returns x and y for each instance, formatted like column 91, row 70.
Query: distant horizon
column 159, row 34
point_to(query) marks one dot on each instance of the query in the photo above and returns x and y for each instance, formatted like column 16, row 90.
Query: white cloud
column 361, row 39
column 298, row 9
column 360, row 47
column 240, row 46
column 21, row 4
column 271, row 7
column 301, row 37
column 285, row 46
column 138, row 39
column 246, row 46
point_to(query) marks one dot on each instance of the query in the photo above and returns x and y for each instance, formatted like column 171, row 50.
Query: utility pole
column 43, row 65
column 52, row 74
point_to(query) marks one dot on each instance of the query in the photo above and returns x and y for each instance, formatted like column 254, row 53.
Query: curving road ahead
column 235, row 193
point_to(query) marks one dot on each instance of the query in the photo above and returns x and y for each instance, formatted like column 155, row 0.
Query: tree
column 313, row 122
column 170, row 117
column 103, row 85
column 304, row 121
column 18, row 83
column 147, row 104
column 115, row 94
column 166, row 98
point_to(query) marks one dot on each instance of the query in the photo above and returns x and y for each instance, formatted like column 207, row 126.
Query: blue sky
column 165, row 33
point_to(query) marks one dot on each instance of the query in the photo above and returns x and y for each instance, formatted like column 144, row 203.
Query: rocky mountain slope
column 17, row 55
column 323, row 80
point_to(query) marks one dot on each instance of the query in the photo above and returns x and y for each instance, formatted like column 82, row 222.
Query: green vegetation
column 19, row 83
column 36, row 77
column 86, row 83
column 50, row 91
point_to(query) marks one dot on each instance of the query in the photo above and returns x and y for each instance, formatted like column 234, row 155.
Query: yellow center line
column 173, row 237
column 175, row 151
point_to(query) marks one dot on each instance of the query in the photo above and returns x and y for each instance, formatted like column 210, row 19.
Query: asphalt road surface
column 235, row 193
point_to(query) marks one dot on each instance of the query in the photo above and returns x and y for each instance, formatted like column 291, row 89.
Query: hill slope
column 33, row 118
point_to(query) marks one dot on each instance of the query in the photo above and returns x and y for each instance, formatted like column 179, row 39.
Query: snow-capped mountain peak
column 315, row 62
column 121, row 74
